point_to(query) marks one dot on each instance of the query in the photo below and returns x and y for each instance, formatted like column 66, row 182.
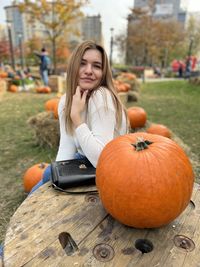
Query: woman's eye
column 97, row 66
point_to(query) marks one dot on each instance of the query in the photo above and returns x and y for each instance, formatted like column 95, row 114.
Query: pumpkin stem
column 141, row 144
column 42, row 165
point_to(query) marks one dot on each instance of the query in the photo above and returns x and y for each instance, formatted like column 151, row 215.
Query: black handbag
column 72, row 173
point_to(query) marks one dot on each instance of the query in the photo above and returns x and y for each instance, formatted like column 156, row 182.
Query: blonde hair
column 73, row 77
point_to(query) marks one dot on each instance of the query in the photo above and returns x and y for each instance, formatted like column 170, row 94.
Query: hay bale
column 46, row 129
column 133, row 96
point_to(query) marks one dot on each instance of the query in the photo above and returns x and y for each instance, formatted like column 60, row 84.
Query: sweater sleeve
column 67, row 146
column 99, row 130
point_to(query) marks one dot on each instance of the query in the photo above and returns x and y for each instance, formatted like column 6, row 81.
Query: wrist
column 77, row 121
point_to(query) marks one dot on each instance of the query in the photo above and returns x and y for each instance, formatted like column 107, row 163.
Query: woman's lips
column 87, row 79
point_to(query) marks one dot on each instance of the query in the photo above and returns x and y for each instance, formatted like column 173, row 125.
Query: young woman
column 90, row 113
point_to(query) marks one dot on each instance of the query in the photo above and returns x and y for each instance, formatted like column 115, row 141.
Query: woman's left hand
column 78, row 106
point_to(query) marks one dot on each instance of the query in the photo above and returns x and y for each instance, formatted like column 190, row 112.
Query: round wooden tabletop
column 57, row 229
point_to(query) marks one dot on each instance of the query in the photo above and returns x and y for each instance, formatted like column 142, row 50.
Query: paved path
column 160, row 79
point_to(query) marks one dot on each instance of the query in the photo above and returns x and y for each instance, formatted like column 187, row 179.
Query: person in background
column 90, row 112
column 180, row 69
column 44, row 65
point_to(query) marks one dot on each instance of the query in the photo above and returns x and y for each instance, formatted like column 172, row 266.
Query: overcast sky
column 113, row 14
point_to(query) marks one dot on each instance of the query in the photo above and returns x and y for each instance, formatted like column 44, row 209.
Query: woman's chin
column 84, row 88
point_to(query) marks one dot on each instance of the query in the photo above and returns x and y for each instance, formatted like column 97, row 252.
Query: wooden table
column 55, row 229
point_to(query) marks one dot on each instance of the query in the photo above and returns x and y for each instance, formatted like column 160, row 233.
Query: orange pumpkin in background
column 137, row 117
column 52, row 105
column 159, row 129
column 33, row 175
column 13, row 88
column 43, row 90
column 55, row 111
column 3, row 74
column 46, row 89
column 144, row 180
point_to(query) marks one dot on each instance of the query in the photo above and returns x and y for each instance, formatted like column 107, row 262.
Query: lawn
column 175, row 104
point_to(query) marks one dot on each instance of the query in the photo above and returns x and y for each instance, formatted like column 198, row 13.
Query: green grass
column 174, row 104
column 177, row 105
column 18, row 150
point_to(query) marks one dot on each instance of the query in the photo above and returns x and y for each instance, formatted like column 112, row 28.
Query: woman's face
column 90, row 71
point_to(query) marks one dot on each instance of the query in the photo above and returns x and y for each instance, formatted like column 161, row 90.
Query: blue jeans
column 45, row 78
column 1, row 251
column 47, row 174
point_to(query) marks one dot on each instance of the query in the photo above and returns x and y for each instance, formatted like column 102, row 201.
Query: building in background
column 164, row 9
column 14, row 20
column 92, row 28
column 88, row 27
column 3, row 32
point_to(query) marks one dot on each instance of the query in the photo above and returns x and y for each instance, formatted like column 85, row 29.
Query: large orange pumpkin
column 33, row 175
column 159, row 129
column 137, row 117
column 144, row 180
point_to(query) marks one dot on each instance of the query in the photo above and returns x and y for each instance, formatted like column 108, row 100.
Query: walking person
column 90, row 112
column 44, row 65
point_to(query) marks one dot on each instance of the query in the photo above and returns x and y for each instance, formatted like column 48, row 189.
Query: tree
column 4, row 50
column 193, row 35
column 31, row 45
column 152, row 41
column 56, row 16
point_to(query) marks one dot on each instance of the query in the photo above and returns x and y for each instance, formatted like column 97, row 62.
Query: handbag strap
column 72, row 192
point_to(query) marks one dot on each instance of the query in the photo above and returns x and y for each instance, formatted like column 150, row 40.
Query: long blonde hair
column 73, row 77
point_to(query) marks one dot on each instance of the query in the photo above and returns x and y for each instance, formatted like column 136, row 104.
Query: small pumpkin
column 52, row 105
column 159, row 129
column 13, row 88
column 43, row 90
column 3, row 74
column 46, row 89
column 137, row 117
column 33, row 175
column 144, row 180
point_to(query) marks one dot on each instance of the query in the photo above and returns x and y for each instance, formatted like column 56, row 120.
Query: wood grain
column 92, row 237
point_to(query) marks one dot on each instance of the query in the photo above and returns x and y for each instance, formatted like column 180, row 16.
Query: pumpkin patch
column 144, row 180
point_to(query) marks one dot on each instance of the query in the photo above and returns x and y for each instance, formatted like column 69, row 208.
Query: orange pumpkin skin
column 137, row 117
column 3, row 74
column 52, row 105
column 13, row 88
column 159, row 129
column 147, row 188
column 43, row 90
column 55, row 111
column 33, row 175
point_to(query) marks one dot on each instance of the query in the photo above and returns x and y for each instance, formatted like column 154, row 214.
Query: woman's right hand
column 78, row 106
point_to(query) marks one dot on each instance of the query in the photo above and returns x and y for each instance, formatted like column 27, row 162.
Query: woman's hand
column 78, row 106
